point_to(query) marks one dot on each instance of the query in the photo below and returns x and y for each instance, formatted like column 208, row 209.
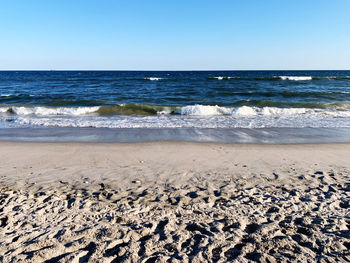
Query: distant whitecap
column 296, row 78
column 154, row 78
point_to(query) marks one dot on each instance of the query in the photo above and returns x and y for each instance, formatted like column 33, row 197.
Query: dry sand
column 174, row 202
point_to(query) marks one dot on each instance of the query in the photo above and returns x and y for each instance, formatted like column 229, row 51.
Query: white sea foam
column 165, row 111
column 221, row 77
column 43, row 111
column 247, row 111
column 297, row 78
column 195, row 116
column 166, row 121
column 203, row 110
column 191, row 110
column 4, row 109
column 270, row 111
column 154, row 78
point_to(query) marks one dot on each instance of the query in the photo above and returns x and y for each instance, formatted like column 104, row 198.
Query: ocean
column 219, row 106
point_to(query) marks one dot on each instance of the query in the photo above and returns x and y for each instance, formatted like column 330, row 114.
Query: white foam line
column 296, row 78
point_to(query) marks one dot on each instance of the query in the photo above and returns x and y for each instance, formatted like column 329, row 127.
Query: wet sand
column 174, row 202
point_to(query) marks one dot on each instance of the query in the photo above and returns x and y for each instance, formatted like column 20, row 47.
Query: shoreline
column 171, row 201
column 205, row 135
column 74, row 158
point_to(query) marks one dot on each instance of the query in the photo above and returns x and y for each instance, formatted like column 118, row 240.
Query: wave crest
column 334, row 109
column 203, row 110
column 223, row 78
column 296, row 78
column 46, row 111
column 248, row 111
column 153, row 78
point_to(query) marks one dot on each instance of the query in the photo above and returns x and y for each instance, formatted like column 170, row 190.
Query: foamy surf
column 223, row 78
column 336, row 110
column 296, row 78
column 153, row 78
column 304, row 120
column 4, row 109
column 47, row 111
column 208, row 99
column 202, row 110
column 192, row 116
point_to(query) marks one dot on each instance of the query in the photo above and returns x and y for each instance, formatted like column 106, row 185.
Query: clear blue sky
column 174, row 34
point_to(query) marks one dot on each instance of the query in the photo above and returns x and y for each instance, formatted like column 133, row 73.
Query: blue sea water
column 171, row 102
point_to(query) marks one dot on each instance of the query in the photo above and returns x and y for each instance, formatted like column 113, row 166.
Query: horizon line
column 148, row 70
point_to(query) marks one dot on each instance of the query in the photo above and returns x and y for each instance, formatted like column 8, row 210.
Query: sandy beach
column 174, row 202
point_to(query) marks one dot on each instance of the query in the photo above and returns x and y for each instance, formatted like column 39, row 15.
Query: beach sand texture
column 174, row 202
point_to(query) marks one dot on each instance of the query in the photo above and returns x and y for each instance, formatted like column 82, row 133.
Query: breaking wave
column 223, row 78
column 296, row 78
column 200, row 110
column 191, row 116
column 48, row 111
column 154, row 78
column 274, row 78
column 332, row 109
